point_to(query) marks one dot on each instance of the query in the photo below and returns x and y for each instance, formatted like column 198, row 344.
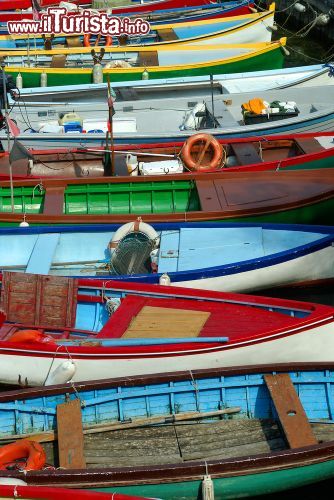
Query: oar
column 48, row 436
column 127, row 152
column 111, row 112
column 96, row 342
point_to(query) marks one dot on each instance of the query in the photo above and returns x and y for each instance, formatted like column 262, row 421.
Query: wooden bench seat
column 146, row 59
column 70, row 435
column 308, row 145
column 54, row 200
column 167, row 34
column 246, row 153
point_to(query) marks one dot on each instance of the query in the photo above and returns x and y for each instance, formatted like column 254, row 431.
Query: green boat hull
column 174, row 200
column 312, row 165
column 269, row 60
column 232, row 487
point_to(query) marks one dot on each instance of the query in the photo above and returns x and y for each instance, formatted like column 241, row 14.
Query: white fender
column 62, row 374
column 12, row 481
column 132, row 227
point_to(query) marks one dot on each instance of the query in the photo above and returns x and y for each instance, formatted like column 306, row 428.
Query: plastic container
column 161, row 167
column 72, row 127
column 70, row 118
column 251, row 118
column 132, row 164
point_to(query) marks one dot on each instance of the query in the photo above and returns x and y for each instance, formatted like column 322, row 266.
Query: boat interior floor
column 183, row 442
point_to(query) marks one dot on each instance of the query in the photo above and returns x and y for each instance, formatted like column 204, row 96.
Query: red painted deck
column 230, row 320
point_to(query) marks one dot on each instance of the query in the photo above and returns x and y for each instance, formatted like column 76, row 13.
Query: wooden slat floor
column 182, row 442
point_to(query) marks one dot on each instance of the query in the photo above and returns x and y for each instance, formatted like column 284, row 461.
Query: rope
column 195, row 386
column 40, row 187
column 276, row 10
column 82, row 402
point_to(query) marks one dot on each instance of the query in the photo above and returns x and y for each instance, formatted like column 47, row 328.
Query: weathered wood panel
column 39, row 300
column 156, row 322
column 297, row 429
column 70, row 435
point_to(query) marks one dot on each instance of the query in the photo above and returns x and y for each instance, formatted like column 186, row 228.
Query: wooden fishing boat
column 164, row 7
column 299, row 76
column 185, row 111
column 290, row 152
column 243, row 258
column 251, row 28
column 178, row 15
column 303, row 151
column 147, row 329
column 14, row 491
column 192, row 61
column 235, row 433
column 301, row 197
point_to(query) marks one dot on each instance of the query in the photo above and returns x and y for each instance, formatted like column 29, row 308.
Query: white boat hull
column 316, row 266
column 316, row 343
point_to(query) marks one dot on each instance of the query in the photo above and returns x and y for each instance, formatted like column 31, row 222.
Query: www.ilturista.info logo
column 57, row 20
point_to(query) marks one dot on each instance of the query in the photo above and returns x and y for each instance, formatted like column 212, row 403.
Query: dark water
column 304, row 51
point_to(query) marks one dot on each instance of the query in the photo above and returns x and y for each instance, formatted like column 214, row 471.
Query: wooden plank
column 41, row 257
column 156, row 322
column 308, row 145
column 208, row 196
column 292, row 416
column 39, row 300
column 144, row 422
column 167, row 34
column 70, row 435
column 54, row 200
column 246, row 153
column 148, row 58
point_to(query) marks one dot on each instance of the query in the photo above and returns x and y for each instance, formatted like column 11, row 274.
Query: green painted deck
column 122, row 198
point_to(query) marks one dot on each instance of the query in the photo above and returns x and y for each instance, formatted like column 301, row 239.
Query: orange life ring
column 198, row 164
column 32, row 451
column 29, row 336
column 87, row 40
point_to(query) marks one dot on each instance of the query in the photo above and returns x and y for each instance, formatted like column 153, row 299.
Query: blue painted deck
column 118, row 403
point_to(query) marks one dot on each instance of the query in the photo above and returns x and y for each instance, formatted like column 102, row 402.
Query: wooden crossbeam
column 292, row 416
